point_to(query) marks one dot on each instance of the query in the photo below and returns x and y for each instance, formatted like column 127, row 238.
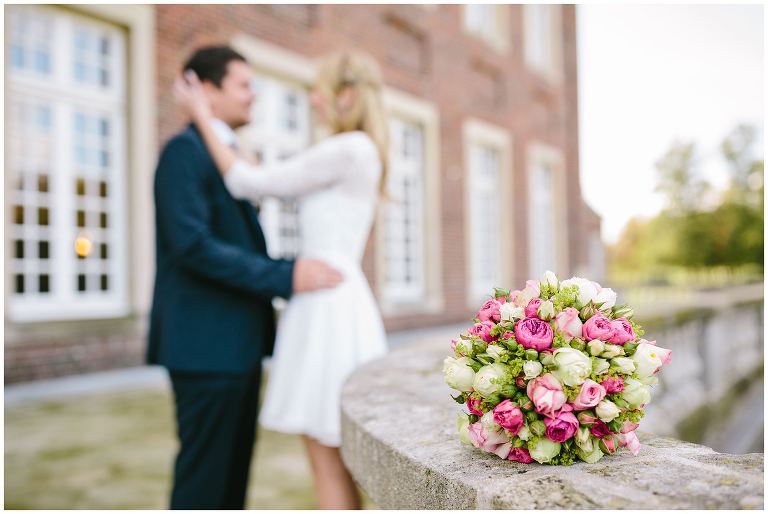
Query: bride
column 322, row 336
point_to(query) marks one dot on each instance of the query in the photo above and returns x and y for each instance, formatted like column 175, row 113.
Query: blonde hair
column 360, row 72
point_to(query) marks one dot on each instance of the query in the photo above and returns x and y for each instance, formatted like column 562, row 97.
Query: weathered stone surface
column 400, row 442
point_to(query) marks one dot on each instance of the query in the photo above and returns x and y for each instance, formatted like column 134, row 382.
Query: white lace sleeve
column 315, row 168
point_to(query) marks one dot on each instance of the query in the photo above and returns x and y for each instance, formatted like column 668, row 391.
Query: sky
column 653, row 74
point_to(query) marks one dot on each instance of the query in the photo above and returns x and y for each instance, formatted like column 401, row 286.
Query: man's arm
column 183, row 217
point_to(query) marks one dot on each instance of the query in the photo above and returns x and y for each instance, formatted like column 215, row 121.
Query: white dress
column 321, row 336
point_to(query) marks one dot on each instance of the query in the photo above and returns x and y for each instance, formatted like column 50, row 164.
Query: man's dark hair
column 210, row 63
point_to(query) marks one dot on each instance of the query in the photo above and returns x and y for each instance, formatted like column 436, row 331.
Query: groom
column 212, row 319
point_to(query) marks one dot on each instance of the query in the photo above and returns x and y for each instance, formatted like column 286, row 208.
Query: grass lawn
column 116, row 451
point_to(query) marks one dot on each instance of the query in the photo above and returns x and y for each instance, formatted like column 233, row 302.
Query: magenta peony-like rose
column 624, row 332
column 591, row 394
column 598, row 327
column 562, row 426
column 534, row 333
column 600, row 429
column 613, row 385
column 490, row 311
column 520, row 455
column 532, row 309
column 483, row 329
column 508, row 416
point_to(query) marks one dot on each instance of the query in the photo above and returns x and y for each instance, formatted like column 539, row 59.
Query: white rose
column 546, row 310
column 458, row 374
column 623, row 365
column 495, row 351
column 635, row 393
column 587, row 289
column 583, row 439
column 607, row 297
column 462, row 424
column 600, row 366
column 590, row 458
column 596, row 347
column 482, row 383
column 607, row 411
column 550, row 279
column 488, row 422
column 524, row 433
column 612, row 350
column 532, row 369
column 509, row 312
column 573, row 367
column 544, row 450
column 648, row 359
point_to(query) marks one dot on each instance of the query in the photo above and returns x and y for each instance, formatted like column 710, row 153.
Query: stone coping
column 400, row 443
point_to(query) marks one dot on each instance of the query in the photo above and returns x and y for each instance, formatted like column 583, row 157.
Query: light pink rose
column 629, row 427
column 568, row 323
column 483, row 329
column 547, row 395
column 562, row 426
column 490, row 311
column 532, row 309
column 534, row 333
column 631, row 441
column 533, row 285
column 598, row 327
column 613, row 384
column 508, row 416
column 591, row 394
column 623, row 331
column 520, row 455
column 473, row 404
column 491, row 442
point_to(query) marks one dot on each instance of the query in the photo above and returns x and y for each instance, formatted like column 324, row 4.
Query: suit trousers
column 216, row 422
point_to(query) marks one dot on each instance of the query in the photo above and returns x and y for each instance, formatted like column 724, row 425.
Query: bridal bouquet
column 553, row 373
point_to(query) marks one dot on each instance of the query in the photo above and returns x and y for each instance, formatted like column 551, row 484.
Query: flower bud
column 538, row 427
column 531, row 354
column 596, row 347
column 608, row 445
column 611, row 350
column 546, row 310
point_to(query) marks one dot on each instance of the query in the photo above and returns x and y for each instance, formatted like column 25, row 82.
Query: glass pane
column 18, row 214
column 42, row 183
column 19, row 279
column 80, row 218
column 81, row 282
column 43, row 283
column 104, row 282
column 42, row 216
column 19, row 254
column 43, row 250
column 104, row 251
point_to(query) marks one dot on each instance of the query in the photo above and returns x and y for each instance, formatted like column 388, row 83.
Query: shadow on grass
column 116, row 451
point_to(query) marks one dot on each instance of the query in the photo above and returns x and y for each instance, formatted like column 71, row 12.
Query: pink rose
column 629, row 427
column 483, row 329
column 613, row 384
column 507, row 335
column 624, row 332
column 547, row 395
column 591, row 394
column 562, row 426
column 533, row 286
column 520, row 455
column 473, row 404
column 492, row 442
column 508, row 416
column 568, row 323
column 631, row 441
column 534, row 333
column 598, row 327
column 490, row 311
column 532, row 309
column 600, row 429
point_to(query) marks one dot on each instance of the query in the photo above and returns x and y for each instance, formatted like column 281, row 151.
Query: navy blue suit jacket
column 211, row 308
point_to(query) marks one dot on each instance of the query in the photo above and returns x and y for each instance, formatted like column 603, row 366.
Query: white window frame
column 64, row 95
column 543, row 40
column 410, row 109
column 479, row 134
column 541, row 154
column 495, row 33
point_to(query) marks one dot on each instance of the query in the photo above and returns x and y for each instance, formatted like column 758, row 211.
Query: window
column 488, row 22
column 280, row 127
column 67, row 160
column 408, row 257
column 403, row 219
column 488, row 210
column 547, row 224
column 543, row 39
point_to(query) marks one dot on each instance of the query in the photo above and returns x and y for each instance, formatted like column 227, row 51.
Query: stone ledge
column 400, row 443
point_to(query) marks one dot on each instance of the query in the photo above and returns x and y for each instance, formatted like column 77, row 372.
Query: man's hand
column 312, row 274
